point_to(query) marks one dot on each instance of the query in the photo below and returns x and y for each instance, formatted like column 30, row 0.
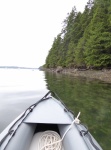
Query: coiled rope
column 51, row 140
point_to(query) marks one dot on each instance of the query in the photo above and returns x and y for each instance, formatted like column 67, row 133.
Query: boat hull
column 49, row 114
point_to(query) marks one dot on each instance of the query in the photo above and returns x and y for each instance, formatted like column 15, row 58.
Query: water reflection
column 21, row 80
column 91, row 97
column 18, row 90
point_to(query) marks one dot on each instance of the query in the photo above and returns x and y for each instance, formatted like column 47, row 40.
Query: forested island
column 85, row 39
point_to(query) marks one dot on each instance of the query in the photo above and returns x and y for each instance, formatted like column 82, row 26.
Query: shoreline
column 103, row 75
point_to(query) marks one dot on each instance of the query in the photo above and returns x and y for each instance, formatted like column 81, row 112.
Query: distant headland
column 16, row 67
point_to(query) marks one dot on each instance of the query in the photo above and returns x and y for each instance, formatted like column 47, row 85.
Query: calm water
column 20, row 88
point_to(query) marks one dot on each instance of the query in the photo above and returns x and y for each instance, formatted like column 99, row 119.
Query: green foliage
column 98, row 45
column 55, row 52
column 79, row 53
column 70, row 55
column 85, row 39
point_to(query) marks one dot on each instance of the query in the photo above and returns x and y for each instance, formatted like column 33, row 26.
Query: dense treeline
column 85, row 39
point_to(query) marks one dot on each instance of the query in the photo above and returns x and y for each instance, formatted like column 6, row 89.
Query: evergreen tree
column 54, row 56
column 84, row 21
column 98, row 45
column 70, row 58
column 67, row 39
column 85, row 39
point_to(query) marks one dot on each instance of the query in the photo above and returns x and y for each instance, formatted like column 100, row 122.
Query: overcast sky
column 28, row 28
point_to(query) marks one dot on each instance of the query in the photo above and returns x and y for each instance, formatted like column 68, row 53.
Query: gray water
column 20, row 88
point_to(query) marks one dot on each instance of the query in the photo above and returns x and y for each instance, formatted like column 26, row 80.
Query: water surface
column 91, row 97
column 19, row 88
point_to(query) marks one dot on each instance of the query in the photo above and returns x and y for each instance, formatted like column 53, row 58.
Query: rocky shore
column 104, row 75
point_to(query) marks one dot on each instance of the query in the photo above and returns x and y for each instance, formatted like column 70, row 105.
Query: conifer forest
column 85, row 38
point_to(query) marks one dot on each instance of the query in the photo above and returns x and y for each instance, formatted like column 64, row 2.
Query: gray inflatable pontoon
column 47, row 125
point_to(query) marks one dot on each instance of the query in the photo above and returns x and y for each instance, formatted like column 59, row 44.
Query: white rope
column 51, row 140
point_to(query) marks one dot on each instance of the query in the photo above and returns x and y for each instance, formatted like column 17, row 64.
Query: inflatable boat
column 47, row 125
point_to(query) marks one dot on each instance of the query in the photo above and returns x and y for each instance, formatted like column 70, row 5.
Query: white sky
column 28, row 28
